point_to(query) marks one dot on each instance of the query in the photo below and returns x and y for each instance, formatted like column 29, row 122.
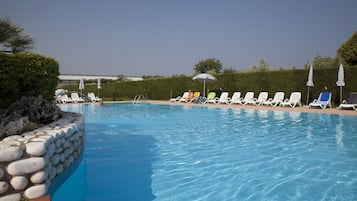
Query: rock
column 11, row 197
column 39, row 177
column 36, row 191
column 3, row 186
column 26, row 114
column 19, row 182
column 55, row 159
column 36, row 148
column 10, row 154
column 26, row 166
column 52, row 173
column 13, row 127
column 2, row 173
column 59, row 169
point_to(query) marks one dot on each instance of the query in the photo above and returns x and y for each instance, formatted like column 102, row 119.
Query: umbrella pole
column 204, row 87
column 340, row 94
column 308, row 93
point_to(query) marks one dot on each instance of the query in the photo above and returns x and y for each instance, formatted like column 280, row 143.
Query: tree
column 7, row 29
column 229, row 71
column 12, row 37
column 348, row 51
column 263, row 66
column 210, row 64
column 324, row 62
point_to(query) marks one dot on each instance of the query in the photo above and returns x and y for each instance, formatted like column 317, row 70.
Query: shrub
column 27, row 74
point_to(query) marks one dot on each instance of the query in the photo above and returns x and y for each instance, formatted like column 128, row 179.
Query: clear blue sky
column 167, row 37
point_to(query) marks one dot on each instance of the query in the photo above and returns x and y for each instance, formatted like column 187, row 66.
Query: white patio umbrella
column 340, row 80
column 99, row 85
column 81, row 85
column 204, row 77
column 309, row 83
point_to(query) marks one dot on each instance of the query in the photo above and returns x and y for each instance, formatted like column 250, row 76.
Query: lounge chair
column 65, row 99
column 184, row 95
column 276, row 100
column 93, row 98
column 222, row 99
column 235, row 98
column 249, row 96
column 75, row 97
column 211, row 98
column 295, row 99
column 195, row 96
column 323, row 101
column 351, row 102
column 263, row 96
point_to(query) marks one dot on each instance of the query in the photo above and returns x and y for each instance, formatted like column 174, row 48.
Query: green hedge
column 271, row 81
column 27, row 74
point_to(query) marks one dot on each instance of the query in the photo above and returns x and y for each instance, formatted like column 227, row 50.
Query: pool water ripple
column 199, row 153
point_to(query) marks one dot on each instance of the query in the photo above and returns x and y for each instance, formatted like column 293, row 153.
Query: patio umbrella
column 81, row 85
column 340, row 80
column 99, row 85
column 309, row 83
column 204, row 77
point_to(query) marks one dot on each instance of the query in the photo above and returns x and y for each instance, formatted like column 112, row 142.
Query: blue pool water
column 164, row 152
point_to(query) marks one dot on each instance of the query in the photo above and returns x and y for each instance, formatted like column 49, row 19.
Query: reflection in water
column 75, row 186
column 309, row 135
column 199, row 153
column 263, row 114
column 278, row 115
column 339, row 134
column 295, row 116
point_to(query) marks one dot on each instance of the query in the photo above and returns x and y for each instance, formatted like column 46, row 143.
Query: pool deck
column 252, row 107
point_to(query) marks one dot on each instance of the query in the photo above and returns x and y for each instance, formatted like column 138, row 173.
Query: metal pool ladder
column 138, row 99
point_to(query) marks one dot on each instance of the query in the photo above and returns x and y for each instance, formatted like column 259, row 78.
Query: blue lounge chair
column 323, row 101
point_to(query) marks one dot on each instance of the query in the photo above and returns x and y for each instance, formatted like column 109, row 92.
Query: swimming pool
column 166, row 152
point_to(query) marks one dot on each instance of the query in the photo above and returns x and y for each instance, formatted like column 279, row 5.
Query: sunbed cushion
column 325, row 96
column 352, row 98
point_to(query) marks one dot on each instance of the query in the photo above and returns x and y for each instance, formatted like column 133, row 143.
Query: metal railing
column 139, row 99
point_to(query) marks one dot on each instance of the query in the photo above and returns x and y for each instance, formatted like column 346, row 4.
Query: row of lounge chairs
column 262, row 99
column 323, row 101
column 248, row 99
column 75, row 98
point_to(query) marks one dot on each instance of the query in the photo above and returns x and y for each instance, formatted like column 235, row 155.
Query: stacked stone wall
column 29, row 163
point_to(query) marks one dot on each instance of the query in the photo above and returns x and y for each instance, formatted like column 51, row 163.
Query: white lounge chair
column 191, row 99
column 65, row 99
column 247, row 98
column 293, row 101
column 75, row 97
column 93, row 98
column 350, row 103
column 223, row 98
column 185, row 94
column 183, row 97
column 276, row 100
column 263, row 96
column 323, row 101
column 235, row 98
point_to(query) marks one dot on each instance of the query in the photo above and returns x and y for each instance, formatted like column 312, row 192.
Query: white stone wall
column 30, row 162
